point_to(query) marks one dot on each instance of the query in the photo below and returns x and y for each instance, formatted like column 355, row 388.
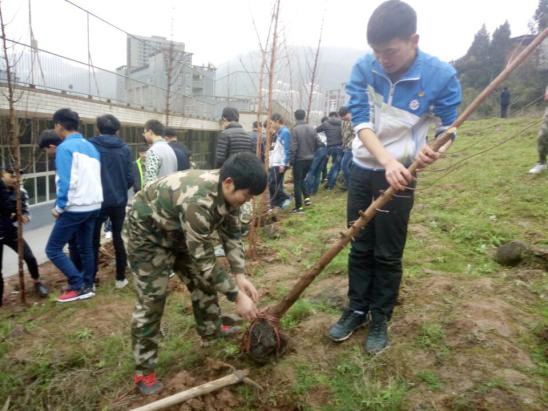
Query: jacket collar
column 76, row 134
column 233, row 124
column 412, row 73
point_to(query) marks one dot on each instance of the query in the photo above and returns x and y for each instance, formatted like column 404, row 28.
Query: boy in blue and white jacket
column 79, row 198
column 396, row 93
column 279, row 163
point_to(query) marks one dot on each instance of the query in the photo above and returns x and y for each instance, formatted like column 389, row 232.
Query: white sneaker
column 538, row 168
column 121, row 283
column 219, row 250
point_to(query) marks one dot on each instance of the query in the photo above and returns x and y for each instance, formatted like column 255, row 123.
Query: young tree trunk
column 16, row 152
column 313, row 77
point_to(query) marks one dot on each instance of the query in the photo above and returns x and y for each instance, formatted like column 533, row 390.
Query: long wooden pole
column 231, row 379
column 365, row 216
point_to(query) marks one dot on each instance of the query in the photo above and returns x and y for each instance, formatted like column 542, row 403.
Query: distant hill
column 294, row 70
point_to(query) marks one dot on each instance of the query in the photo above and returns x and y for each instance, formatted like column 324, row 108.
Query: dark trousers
column 276, row 187
column 504, row 111
column 374, row 262
column 314, row 176
column 346, row 163
column 336, row 153
column 300, row 169
column 10, row 239
column 116, row 216
column 68, row 225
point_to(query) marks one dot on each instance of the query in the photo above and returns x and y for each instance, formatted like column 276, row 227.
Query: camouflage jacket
column 180, row 212
column 347, row 134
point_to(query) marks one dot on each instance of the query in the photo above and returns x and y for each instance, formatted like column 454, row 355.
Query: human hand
column 427, row 156
column 247, row 287
column 397, row 175
column 25, row 219
column 245, row 307
column 54, row 213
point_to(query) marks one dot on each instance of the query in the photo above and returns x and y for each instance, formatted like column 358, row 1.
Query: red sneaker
column 147, row 384
column 74, row 295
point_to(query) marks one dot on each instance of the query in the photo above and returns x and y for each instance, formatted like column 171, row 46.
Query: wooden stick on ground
column 231, row 379
column 365, row 216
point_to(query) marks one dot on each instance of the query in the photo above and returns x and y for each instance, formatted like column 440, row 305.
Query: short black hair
column 155, row 126
column 333, row 114
column 392, row 19
column 255, row 124
column 324, row 119
column 277, row 117
column 48, row 138
column 343, row 111
column 67, row 118
column 170, row 132
column 108, row 124
column 300, row 114
column 231, row 114
column 247, row 172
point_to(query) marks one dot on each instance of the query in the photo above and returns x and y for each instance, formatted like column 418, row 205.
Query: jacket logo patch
column 414, row 104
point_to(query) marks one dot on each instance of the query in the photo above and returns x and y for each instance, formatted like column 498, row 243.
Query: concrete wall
column 41, row 103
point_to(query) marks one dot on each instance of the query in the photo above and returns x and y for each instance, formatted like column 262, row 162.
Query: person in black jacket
column 116, row 178
column 8, row 229
column 304, row 142
column 504, row 102
column 333, row 131
column 233, row 139
column 181, row 151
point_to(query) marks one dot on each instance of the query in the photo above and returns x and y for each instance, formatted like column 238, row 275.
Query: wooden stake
column 281, row 308
column 231, row 379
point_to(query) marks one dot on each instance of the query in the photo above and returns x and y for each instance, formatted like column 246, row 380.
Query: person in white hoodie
column 79, row 199
column 279, row 163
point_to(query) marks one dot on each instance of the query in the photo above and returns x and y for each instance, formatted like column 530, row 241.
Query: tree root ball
column 511, row 253
column 263, row 342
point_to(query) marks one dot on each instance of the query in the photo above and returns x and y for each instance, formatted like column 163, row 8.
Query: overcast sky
column 218, row 30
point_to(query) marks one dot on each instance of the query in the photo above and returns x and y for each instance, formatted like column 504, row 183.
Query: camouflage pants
column 151, row 266
column 543, row 140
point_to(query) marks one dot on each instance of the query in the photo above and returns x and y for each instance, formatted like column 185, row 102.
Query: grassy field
column 467, row 334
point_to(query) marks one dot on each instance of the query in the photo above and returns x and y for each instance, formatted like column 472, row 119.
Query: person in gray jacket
column 304, row 142
column 160, row 158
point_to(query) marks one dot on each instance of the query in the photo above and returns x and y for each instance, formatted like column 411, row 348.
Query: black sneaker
column 377, row 339
column 41, row 289
column 349, row 322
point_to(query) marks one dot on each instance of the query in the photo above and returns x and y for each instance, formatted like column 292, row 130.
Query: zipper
column 393, row 85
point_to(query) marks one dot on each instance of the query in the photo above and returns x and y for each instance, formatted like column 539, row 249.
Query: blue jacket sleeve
column 286, row 138
column 358, row 103
column 63, row 164
column 446, row 104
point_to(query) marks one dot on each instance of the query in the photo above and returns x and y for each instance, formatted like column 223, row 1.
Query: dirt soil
column 484, row 322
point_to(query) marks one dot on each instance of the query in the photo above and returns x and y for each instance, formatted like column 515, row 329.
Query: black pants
column 276, row 187
column 117, row 216
column 374, row 262
column 9, row 238
column 504, row 111
column 300, row 169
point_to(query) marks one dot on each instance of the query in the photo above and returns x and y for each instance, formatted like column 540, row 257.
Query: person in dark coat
column 116, row 178
column 504, row 102
column 233, row 139
column 181, row 151
column 8, row 229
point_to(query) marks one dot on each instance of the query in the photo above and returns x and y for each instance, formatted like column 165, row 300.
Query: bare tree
column 16, row 151
column 314, row 69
